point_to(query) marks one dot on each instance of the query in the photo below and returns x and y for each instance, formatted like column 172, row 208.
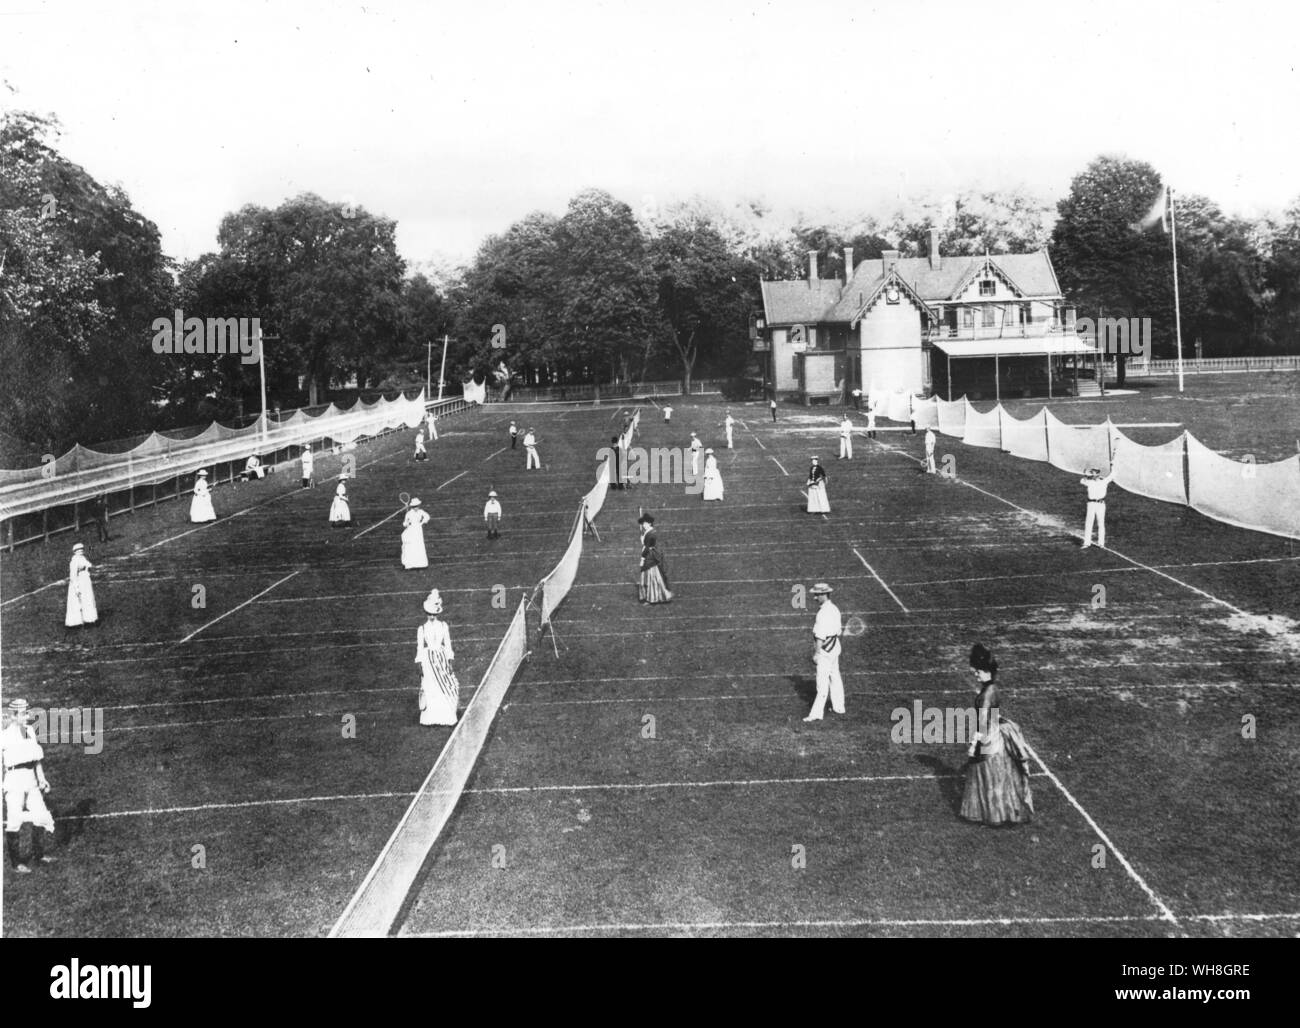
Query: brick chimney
column 935, row 259
column 888, row 259
column 848, row 264
column 812, row 267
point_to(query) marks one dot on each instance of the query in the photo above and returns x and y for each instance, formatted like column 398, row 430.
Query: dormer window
column 987, row 287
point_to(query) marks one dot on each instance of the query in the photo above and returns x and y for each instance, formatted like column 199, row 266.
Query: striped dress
column 653, row 586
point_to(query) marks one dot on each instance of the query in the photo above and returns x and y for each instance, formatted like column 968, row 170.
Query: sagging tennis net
column 555, row 586
column 374, row 910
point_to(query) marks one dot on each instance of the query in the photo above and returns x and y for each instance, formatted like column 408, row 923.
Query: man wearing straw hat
column 439, row 690
column 492, row 515
column 846, row 438
column 696, row 448
column 420, row 452
column 24, row 785
column 81, row 608
column 1096, row 486
column 826, row 653
column 530, row 445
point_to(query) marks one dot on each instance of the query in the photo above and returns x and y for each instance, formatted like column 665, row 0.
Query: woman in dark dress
column 997, row 774
column 653, row 584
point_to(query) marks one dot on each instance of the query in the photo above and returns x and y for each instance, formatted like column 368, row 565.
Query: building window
column 967, row 318
column 987, row 287
column 989, row 320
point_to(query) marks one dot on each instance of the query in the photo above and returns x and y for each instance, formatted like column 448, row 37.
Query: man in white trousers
column 846, row 438
column 826, row 653
column 24, row 787
column 1096, row 486
column 730, row 423
column 697, row 448
column 530, row 445
column 929, row 451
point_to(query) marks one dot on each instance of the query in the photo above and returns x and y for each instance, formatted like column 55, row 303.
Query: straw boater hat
column 18, row 709
column 821, row 589
column 433, row 602
column 815, row 457
column 415, row 502
column 78, row 546
column 203, row 472
column 709, row 450
column 491, row 493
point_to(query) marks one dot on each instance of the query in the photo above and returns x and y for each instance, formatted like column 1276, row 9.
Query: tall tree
column 705, row 292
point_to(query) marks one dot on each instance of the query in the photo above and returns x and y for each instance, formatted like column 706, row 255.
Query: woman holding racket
column 413, row 552
column 439, row 689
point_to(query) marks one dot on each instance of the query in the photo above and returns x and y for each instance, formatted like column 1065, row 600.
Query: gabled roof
column 1030, row 274
column 799, row 302
column 869, row 298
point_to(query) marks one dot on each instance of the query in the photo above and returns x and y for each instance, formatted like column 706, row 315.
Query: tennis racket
column 405, row 500
column 854, row 626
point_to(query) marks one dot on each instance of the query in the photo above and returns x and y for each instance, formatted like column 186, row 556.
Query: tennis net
column 374, row 910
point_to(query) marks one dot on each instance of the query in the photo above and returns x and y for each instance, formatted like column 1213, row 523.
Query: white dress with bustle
column 201, row 506
column 81, row 594
column 712, row 480
column 413, row 552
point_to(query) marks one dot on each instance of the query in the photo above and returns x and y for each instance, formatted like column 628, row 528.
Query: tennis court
column 656, row 776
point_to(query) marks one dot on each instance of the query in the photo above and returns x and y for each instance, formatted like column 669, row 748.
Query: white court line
column 506, row 790
column 1165, row 912
column 240, row 607
column 880, row 580
column 782, row 467
column 804, row 925
column 491, row 455
column 450, row 480
column 1131, row 560
column 400, row 510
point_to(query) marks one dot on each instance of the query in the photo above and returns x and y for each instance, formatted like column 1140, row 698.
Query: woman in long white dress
column 818, row 502
column 201, row 508
column 413, row 552
column 81, row 594
column 439, row 689
column 340, row 512
column 712, row 479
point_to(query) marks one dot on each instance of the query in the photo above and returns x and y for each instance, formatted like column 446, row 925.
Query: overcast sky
column 458, row 119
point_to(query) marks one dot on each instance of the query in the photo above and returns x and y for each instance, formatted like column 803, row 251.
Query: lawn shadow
column 951, row 784
column 805, row 687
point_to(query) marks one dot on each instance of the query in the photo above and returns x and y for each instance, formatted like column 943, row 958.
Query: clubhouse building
column 985, row 326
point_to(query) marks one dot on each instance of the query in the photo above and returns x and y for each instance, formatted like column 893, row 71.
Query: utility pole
column 443, row 370
column 428, row 369
column 261, row 367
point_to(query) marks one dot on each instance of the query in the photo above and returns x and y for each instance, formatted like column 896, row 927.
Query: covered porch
column 993, row 368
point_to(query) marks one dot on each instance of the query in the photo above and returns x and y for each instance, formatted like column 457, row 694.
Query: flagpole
column 1178, row 320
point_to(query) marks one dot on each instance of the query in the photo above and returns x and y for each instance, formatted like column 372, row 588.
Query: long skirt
column 817, row 501
column 436, row 706
column 201, row 509
column 652, row 588
column 712, row 487
column 340, row 513
column 81, row 603
column 413, row 554
column 997, row 791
